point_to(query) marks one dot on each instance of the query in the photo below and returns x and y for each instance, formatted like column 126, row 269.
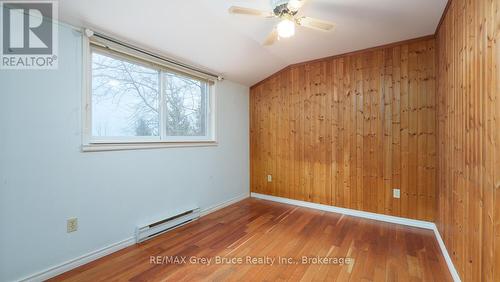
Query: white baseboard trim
column 363, row 214
column 446, row 255
column 374, row 216
column 81, row 260
column 219, row 206
column 89, row 257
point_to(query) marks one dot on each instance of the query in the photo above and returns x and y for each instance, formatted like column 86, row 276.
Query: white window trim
column 91, row 144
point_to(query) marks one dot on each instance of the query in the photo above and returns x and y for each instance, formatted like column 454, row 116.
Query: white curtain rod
column 90, row 33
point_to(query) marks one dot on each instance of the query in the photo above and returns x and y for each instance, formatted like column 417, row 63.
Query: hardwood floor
column 261, row 229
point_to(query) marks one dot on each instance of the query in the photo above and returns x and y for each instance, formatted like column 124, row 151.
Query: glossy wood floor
column 258, row 228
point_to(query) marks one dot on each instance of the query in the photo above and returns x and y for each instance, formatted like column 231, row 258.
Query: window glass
column 186, row 101
column 125, row 98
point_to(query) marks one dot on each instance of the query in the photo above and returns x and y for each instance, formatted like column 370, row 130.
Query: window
column 136, row 101
column 125, row 99
column 186, row 108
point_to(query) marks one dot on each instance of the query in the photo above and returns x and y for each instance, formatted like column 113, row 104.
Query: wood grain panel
column 346, row 130
column 468, row 107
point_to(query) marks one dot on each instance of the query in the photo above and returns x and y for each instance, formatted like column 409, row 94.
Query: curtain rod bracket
column 89, row 32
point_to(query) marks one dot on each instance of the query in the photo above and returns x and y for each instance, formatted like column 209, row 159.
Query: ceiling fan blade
column 249, row 12
column 271, row 38
column 295, row 5
column 315, row 24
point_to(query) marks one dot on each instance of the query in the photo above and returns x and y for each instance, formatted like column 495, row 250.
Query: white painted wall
column 45, row 178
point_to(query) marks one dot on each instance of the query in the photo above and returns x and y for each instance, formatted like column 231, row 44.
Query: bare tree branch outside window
column 125, row 100
column 186, row 105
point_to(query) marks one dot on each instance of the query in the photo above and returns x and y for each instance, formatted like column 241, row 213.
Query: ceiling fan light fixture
column 288, row 13
column 286, row 28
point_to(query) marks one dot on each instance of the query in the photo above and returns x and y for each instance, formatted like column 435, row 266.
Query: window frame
column 109, row 143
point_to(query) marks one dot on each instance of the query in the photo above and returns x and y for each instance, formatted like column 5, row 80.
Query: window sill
column 97, row 147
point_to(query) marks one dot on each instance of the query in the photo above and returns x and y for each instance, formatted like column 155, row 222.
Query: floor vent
column 148, row 231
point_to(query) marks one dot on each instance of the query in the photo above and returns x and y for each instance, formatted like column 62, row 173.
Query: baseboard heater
column 148, row 231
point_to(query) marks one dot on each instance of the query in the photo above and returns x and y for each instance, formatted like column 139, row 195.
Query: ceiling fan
column 287, row 12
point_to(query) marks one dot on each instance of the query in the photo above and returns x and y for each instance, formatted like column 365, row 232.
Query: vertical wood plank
column 346, row 131
column 467, row 134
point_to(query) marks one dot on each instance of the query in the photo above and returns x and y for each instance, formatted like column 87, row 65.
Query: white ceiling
column 201, row 32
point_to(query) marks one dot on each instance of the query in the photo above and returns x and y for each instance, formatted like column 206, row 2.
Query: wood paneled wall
column 468, row 214
column 346, row 130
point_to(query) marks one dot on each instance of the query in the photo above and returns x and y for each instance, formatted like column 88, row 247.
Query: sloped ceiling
column 202, row 33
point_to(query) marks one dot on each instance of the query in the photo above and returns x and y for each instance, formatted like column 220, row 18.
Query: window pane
column 186, row 102
column 125, row 98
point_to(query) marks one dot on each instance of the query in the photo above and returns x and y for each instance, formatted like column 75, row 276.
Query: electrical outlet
column 72, row 224
column 396, row 193
column 269, row 178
